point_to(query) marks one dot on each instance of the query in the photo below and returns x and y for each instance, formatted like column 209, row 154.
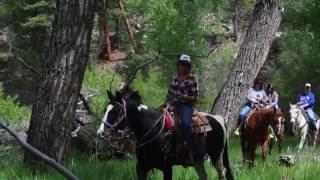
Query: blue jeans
column 312, row 118
column 185, row 113
column 243, row 114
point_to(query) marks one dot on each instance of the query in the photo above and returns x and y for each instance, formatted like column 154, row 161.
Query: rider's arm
column 299, row 102
column 192, row 92
column 249, row 96
column 310, row 101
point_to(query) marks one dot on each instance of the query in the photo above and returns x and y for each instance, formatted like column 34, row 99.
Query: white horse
column 301, row 126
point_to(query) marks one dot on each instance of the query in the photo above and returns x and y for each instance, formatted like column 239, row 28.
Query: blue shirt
column 307, row 99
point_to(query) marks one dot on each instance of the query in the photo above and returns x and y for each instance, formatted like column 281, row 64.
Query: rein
column 296, row 119
column 123, row 114
column 140, row 142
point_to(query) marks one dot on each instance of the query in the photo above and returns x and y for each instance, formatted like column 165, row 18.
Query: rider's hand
column 255, row 101
column 300, row 103
column 163, row 106
column 182, row 96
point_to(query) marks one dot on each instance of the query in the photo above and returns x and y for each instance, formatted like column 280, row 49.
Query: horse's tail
column 226, row 162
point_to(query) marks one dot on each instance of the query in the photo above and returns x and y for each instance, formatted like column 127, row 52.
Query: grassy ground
column 11, row 167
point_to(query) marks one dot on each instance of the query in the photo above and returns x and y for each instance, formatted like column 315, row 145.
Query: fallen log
column 290, row 160
column 51, row 162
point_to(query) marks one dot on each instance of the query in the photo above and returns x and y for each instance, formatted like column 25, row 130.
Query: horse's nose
column 101, row 134
column 279, row 132
column 292, row 120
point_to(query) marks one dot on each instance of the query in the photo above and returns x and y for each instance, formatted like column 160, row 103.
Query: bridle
column 296, row 119
column 143, row 140
column 279, row 124
column 121, row 116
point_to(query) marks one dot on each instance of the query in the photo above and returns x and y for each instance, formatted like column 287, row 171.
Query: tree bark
column 107, row 43
column 129, row 28
column 252, row 55
column 54, row 107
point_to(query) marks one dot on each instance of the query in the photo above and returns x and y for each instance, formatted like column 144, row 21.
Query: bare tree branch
column 193, row 55
column 26, row 65
column 83, row 99
column 62, row 170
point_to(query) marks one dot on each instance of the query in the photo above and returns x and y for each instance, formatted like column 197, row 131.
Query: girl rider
column 254, row 98
column 183, row 93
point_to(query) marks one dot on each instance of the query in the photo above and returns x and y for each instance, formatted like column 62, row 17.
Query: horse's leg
column 314, row 139
column 279, row 143
column 251, row 153
column 264, row 146
column 243, row 148
column 201, row 171
column 303, row 138
column 218, row 165
column 271, row 142
column 167, row 173
column 142, row 172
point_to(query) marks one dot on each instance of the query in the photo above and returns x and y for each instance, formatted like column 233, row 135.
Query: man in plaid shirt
column 183, row 93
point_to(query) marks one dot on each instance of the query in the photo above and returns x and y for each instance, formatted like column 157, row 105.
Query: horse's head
column 294, row 113
column 117, row 109
column 278, row 122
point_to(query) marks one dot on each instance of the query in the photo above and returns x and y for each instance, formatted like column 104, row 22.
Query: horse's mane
column 265, row 111
column 151, row 112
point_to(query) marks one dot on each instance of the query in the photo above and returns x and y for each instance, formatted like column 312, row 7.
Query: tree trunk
column 129, row 28
column 253, row 52
column 107, row 43
column 63, row 70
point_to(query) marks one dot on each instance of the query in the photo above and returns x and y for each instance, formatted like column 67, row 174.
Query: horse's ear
column 111, row 96
column 118, row 96
column 136, row 96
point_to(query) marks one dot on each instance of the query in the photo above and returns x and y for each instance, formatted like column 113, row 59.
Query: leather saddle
column 200, row 124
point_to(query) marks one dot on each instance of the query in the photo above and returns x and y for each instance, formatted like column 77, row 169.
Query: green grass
column 11, row 167
column 12, row 111
column 97, row 81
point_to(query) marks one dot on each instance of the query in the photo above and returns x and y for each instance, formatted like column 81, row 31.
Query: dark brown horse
column 256, row 130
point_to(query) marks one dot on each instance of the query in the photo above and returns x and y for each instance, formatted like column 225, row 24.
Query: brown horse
column 279, row 133
column 256, row 130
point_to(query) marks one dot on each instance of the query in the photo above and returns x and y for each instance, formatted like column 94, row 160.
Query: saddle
column 200, row 124
column 248, row 116
column 310, row 123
